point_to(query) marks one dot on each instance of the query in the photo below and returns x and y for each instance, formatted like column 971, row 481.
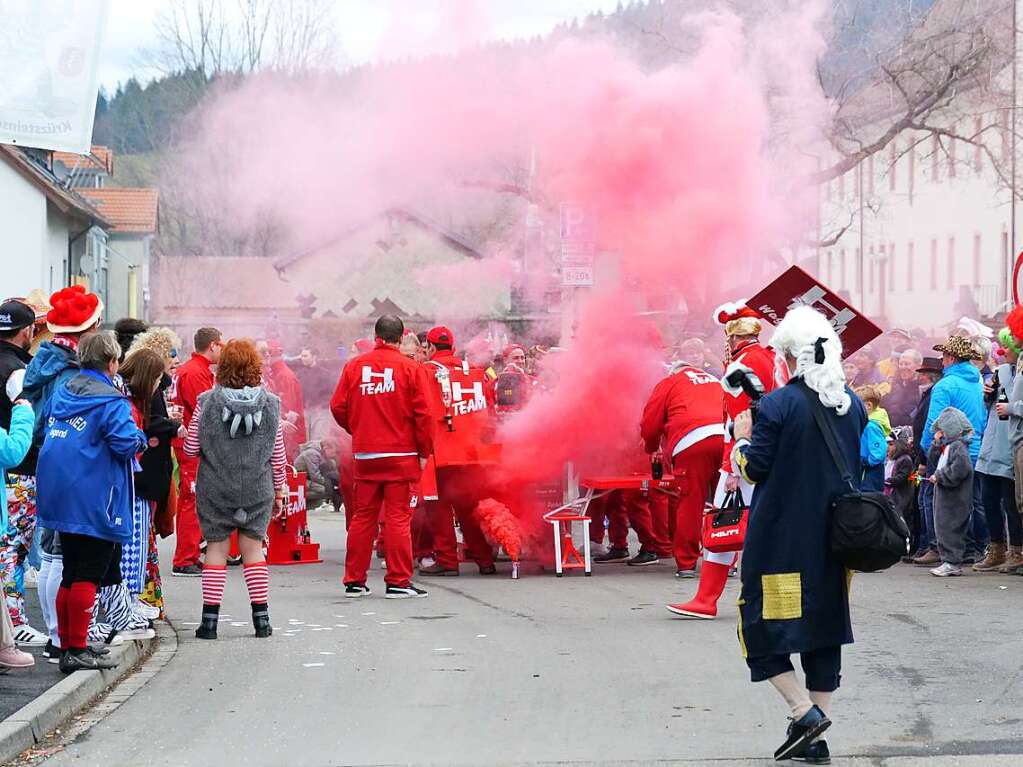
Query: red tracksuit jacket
column 686, row 407
column 192, row 379
column 381, row 401
column 471, row 409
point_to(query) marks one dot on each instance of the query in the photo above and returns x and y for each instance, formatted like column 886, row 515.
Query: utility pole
column 1011, row 266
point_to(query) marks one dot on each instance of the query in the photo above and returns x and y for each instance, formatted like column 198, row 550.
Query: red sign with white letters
column 798, row 288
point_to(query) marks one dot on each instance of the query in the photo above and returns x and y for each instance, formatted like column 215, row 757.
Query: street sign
column 577, row 223
column 577, row 253
column 795, row 288
column 577, row 276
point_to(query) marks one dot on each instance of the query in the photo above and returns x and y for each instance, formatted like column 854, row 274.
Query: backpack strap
column 828, row 433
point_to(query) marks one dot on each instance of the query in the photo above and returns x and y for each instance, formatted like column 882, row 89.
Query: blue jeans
column 927, row 537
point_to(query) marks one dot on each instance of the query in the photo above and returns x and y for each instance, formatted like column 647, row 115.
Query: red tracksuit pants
column 186, row 525
column 623, row 508
column 697, row 468
column 364, row 522
column 460, row 489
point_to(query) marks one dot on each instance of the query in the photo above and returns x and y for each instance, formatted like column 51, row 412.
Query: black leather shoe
column 84, row 660
column 815, row 753
column 488, row 569
column 261, row 621
column 801, row 732
column 208, row 628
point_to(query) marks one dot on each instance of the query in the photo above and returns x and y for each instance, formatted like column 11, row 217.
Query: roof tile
column 129, row 210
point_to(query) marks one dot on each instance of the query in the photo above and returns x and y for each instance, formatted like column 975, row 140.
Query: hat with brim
column 959, row 347
column 930, row 365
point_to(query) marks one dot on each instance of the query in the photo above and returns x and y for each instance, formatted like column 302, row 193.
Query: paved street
column 544, row 671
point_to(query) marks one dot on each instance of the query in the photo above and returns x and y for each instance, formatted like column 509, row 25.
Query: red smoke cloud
column 500, row 526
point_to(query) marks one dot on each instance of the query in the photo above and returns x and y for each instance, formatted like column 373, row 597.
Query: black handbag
column 867, row 534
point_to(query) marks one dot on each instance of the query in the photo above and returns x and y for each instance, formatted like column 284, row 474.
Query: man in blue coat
column 962, row 387
column 85, row 488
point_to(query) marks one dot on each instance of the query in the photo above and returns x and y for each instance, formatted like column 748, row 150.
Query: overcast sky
column 360, row 23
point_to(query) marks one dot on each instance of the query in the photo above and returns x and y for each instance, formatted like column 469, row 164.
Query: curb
column 31, row 723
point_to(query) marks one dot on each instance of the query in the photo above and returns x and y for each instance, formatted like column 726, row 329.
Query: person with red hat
column 742, row 327
column 684, row 410
column 381, row 400
column 462, row 406
column 282, row 381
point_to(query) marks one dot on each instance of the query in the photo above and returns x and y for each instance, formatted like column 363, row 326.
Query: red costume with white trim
column 762, row 362
column 686, row 408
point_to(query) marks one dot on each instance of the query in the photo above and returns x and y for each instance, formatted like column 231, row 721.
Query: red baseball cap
column 441, row 335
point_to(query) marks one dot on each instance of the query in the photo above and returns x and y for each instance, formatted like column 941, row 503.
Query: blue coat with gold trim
column 794, row 591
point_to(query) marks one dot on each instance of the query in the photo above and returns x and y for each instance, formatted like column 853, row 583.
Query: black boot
column 208, row 628
column 261, row 620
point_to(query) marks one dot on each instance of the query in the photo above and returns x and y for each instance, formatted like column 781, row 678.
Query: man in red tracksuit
column 190, row 380
column 282, row 381
column 381, row 401
column 462, row 405
column 685, row 410
column 742, row 330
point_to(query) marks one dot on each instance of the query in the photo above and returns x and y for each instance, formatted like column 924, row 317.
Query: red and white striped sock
column 214, row 578
column 257, row 580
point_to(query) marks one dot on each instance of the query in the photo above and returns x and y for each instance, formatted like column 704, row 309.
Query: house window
column 893, row 165
column 976, row 259
column 910, row 255
column 951, row 263
column 912, row 171
column 859, row 270
column 891, row 267
column 978, row 158
column 1003, row 128
column 870, row 277
column 831, row 266
column 858, row 183
column 841, row 266
column 934, row 264
column 951, row 155
column 870, row 177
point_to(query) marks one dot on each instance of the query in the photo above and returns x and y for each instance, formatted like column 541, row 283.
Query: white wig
column 797, row 336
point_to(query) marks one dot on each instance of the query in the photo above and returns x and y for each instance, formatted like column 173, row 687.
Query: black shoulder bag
column 866, row 532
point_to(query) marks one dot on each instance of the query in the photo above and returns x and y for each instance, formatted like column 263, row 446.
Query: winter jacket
column 153, row 482
column 282, row 381
column 919, row 421
column 457, row 389
column 685, row 408
column 13, row 362
column 381, row 401
column 959, row 388
column 1016, row 411
column 14, row 446
column 84, row 483
column 903, row 491
column 874, row 451
column 52, row 366
column 995, row 451
column 902, row 401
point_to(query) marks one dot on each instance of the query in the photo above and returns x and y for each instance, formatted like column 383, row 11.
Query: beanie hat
column 75, row 310
column 441, row 335
column 738, row 319
column 953, row 423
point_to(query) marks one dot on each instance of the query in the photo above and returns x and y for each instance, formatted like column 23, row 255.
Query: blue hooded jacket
column 51, row 366
column 962, row 389
column 84, row 480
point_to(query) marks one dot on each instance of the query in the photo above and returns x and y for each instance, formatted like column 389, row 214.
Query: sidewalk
column 23, row 685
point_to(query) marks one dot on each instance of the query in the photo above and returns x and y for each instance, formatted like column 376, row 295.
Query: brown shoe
column 438, row 569
column 995, row 558
column 1013, row 560
column 928, row 559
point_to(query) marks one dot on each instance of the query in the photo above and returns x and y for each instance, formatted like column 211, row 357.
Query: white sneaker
column 26, row 636
column 427, row 562
column 944, row 570
column 147, row 611
column 100, row 633
column 404, row 592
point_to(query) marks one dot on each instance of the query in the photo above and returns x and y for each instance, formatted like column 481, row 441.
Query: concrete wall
column 125, row 254
column 25, row 242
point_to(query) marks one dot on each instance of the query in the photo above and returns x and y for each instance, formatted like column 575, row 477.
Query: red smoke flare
column 500, row 526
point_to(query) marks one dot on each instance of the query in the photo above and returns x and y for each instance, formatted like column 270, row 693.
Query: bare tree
column 194, row 36
column 304, row 36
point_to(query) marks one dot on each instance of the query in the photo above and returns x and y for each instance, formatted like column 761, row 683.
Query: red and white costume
column 742, row 327
column 381, row 401
column 685, row 410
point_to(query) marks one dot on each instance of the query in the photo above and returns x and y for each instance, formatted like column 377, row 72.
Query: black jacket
column 901, row 402
column 919, row 422
column 12, row 359
column 153, row 482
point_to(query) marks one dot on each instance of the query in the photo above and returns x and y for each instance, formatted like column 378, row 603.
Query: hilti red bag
column 724, row 529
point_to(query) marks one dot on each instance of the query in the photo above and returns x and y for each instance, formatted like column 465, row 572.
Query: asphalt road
column 578, row 671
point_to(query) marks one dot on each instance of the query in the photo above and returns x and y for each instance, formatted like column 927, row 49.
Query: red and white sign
column 798, row 288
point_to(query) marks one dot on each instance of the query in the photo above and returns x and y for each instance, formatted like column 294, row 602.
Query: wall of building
column 23, row 224
column 126, row 254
